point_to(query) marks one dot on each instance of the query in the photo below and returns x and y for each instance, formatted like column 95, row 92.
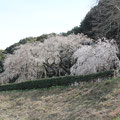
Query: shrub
column 58, row 81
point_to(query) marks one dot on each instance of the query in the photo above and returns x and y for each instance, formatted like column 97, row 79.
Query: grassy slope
column 88, row 101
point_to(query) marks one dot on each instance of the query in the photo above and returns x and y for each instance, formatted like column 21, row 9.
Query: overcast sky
column 24, row 18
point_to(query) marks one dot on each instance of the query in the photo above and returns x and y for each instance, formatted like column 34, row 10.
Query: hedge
column 58, row 81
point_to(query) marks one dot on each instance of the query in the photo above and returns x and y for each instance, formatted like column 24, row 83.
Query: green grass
column 116, row 118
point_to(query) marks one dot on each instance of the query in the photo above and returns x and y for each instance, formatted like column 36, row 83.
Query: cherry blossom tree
column 95, row 58
column 39, row 60
column 59, row 55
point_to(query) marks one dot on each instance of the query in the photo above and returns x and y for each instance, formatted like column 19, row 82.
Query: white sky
column 24, row 18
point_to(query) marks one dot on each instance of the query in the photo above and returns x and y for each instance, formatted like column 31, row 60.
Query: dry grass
column 115, row 112
column 88, row 101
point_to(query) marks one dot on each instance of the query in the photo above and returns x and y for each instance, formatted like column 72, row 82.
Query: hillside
column 102, row 20
column 41, row 38
column 87, row 101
